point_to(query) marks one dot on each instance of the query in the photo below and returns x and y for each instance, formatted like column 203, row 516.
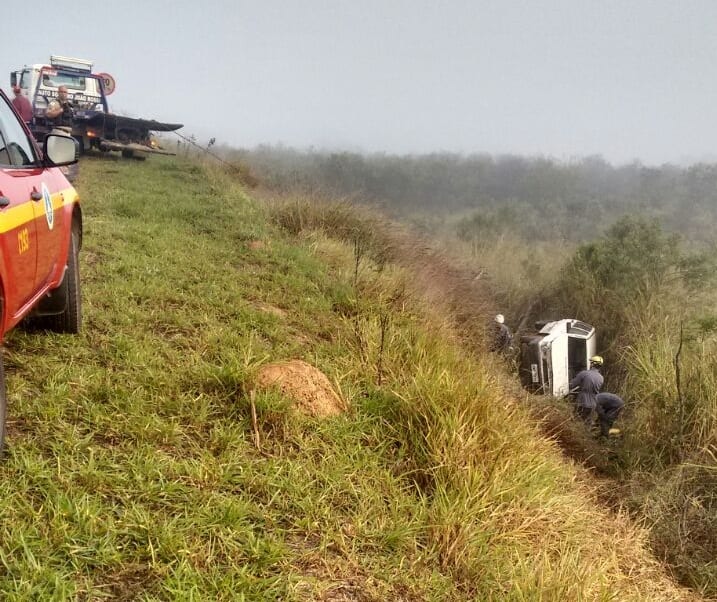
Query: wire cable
column 205, row 150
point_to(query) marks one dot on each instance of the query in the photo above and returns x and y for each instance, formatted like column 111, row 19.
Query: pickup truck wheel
column 70, row 320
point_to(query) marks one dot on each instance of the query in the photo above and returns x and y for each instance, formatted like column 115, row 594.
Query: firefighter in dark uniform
column 608, row 409
column 587, row 385
column 502, row 336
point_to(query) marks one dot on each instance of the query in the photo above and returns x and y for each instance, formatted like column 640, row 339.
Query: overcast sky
column 560, row 78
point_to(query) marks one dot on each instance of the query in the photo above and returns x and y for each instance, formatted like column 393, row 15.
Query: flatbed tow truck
column 93, row 125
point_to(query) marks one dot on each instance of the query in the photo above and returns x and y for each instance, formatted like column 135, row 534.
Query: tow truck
column 93, row 125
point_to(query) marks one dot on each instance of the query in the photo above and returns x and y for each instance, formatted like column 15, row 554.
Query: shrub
column 635, row 269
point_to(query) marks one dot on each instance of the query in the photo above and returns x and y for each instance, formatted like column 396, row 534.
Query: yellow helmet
column 596, row 360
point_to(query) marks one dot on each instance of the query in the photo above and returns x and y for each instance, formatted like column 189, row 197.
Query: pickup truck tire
column 70, row 320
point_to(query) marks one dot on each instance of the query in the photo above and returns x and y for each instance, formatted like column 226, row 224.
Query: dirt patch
column 257, row 245
column 129, row 582
column 306, row 386
column 271, row 309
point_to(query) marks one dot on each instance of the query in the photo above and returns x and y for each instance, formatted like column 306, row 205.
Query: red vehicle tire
column 69, row 320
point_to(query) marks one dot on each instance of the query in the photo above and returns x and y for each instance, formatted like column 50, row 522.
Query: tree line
column 537, row 197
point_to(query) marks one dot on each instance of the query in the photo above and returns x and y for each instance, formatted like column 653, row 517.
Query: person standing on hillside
column 502, row 336
column 22, row 104
column 608, row 409
column 587, row 385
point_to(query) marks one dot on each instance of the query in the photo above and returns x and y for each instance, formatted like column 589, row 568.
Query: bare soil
column 306, row 386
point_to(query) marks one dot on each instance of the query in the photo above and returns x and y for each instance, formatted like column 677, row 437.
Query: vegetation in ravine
column 655, row 302
column 132, row 471
column 630, row 249
column 651, row 295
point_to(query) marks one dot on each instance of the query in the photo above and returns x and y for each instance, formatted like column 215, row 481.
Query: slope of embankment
column 144, row 462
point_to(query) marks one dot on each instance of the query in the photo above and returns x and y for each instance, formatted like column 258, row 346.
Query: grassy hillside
column 133, row 471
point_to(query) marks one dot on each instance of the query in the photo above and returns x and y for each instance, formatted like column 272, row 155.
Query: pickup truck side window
column 16, row 150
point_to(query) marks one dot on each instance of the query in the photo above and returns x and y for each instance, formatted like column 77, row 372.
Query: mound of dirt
column 271, row 309
column 307, row 387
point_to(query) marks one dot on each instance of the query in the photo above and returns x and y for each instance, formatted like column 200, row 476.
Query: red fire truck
column 40, row 233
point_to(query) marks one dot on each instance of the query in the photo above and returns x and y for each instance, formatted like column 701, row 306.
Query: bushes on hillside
column 646, row 294
column 636, row 272
column 652, row 302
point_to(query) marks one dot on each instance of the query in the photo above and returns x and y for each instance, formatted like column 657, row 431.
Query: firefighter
column 608, row 409
column 502, row 336
column 587, row 385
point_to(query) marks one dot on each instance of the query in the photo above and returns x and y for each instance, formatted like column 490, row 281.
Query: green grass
column 131, row 472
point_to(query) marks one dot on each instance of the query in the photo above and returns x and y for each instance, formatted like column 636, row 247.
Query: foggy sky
column 559, row 78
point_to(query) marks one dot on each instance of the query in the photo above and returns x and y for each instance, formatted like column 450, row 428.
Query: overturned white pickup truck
column 552, row 356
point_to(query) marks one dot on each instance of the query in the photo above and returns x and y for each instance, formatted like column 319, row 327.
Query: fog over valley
column 561, row 79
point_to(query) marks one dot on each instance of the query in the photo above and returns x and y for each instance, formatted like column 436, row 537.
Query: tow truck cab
column 552, row 356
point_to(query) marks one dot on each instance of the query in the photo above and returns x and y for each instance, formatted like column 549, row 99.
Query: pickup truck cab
column 40, row 233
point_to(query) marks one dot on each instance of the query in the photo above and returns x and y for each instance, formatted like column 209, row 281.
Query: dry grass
column 519, row 275
column 670, row 422
column 506, row 516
